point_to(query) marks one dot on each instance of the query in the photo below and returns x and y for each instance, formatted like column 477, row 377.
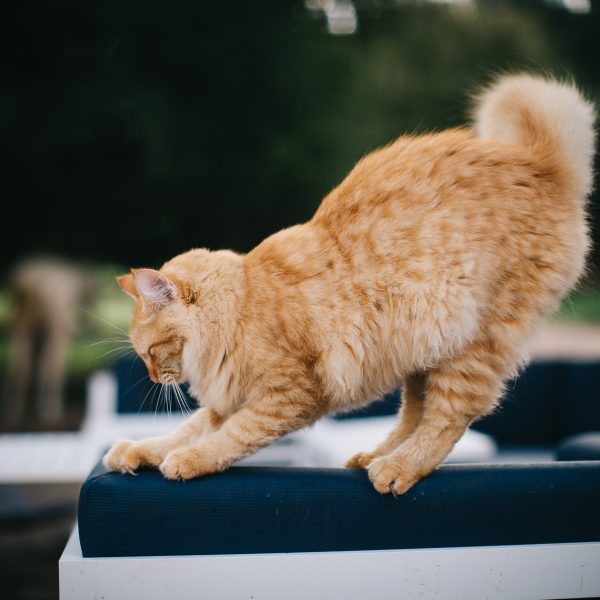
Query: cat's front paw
column 389, row 475
column 127, row 456
column 361, row 460
column 115, row 459
column 187, row 463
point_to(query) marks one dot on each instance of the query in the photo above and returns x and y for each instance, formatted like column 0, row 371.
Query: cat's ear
column 127, row 285
column 154, row 289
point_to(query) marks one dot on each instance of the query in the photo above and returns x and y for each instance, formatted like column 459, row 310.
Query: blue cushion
column 268, row 509
column 530, row 411
column 581, row 394
column 585, row 446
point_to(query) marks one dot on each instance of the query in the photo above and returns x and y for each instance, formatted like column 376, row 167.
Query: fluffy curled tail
column 551, row 116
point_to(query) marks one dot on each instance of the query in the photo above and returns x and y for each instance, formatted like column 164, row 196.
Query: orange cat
column 429, row 266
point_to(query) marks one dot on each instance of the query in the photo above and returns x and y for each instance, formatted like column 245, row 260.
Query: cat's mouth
column 169, row 378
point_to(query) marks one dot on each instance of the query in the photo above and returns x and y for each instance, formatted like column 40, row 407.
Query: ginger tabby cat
column 429, row 266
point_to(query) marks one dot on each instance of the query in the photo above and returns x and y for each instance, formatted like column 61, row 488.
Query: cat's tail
column 551, row 116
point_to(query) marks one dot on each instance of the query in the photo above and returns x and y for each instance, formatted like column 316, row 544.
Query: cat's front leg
column 254, row 426
column 127, row 456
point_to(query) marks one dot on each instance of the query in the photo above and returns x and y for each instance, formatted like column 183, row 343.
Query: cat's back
column 421, row 176
column 444, row 198
column 416, row 210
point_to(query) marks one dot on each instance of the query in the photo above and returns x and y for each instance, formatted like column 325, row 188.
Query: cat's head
column 159, row 327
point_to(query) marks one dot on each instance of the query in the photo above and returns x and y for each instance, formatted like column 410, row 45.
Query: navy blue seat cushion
column 585, row 446
column 530, row 411
column 581, row 397
column 272, row 509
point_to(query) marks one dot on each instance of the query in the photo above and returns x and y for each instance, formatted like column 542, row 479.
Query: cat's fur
column 429, row 266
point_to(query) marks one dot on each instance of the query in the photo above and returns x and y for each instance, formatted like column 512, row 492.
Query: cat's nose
column 152, row 374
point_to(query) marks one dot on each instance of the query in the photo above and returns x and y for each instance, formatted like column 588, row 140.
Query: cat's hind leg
column 458, row 391
column 409, row 417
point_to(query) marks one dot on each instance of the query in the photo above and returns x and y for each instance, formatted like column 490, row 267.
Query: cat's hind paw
column 389, row 477
column 361, row 460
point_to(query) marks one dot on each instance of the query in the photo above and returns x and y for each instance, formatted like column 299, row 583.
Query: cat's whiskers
column 175, row 395
column 162, row 399
column 169, row 400
column 179, row 396
column 170, row 394
column 112, row 340
column 183, row 399
column 89, row 312
column 161, row 389
column 134, row 385
column 124, row 347
column 124, row 351
column 152, row 389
